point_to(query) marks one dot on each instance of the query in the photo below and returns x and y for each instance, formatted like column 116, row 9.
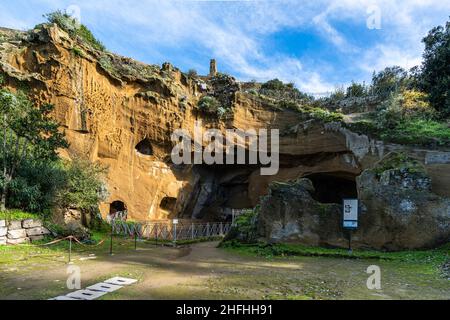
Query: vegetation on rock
column 74, row 28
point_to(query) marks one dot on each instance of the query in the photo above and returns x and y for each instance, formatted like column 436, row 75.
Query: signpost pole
column 70, row 249
column 350, row 241
column 135, row 240
column 111, row 240
column 174, row 223
column 350, row 219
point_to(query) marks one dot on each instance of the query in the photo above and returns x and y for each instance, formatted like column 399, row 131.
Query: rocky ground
column 203, row 271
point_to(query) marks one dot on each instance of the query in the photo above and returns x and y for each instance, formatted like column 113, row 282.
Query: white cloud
column 383, row 56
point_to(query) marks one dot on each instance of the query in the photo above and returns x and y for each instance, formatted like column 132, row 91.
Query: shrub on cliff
column 209, row 105
column 285, row 93
column 73, row 27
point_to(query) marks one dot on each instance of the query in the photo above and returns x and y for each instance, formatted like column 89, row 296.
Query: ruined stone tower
column 212, row 68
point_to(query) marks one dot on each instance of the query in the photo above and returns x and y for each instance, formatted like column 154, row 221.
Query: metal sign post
column 70, row 249
column 111, row 242
column 175, row 222
column 135, row 240
column 350, row 218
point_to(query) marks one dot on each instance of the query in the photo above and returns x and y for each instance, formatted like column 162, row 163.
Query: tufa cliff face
column 122, row 113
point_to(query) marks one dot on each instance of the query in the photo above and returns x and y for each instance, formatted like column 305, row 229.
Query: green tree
column 26, row 132
column 435, row 75
column 388, row 81
column 356, row 90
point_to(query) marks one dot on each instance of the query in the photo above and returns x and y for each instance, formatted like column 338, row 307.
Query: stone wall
column 21, row 231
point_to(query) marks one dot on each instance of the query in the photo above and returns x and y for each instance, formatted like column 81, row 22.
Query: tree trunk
column 3, row 200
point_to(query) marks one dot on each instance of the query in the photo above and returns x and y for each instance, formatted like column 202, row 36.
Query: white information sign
column 175, row 221
column 351, row 213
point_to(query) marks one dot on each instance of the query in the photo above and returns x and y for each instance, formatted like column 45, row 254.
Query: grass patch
column 18, row 215
column 416, row 131
column 436, row 257
column 78, row 52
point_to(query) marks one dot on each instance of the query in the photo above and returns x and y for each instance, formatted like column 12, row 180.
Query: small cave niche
column 117, row 206
column 333, row 187
column 168, row 204
column 145, row 147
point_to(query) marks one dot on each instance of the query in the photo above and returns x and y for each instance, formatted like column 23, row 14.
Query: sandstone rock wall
column 108, row 105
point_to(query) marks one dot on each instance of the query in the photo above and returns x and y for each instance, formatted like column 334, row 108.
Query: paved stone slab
column 14, row 225
column 119, row 281
column 86, row 294
column 3, row 231
column 2, row 223
column 31, row 223
column 17, row 241
column 104, row 287
column 17, row 234
column 36, row 238
column 39, row 231
column 64, row 298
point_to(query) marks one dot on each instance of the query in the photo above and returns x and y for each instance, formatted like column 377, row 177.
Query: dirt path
column 203, row 271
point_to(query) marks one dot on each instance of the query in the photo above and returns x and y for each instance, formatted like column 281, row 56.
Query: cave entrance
column 168, row 204
column 145, row 147
column 333, row 187
column 117, row 206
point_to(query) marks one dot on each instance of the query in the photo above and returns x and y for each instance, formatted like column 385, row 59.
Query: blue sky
column 318, row 45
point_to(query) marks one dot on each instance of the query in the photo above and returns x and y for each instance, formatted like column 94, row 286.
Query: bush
column 286, row 93
column 192, row 73
column 389, row 81
column 84, row 187
column 338, row 94
column 244, row 228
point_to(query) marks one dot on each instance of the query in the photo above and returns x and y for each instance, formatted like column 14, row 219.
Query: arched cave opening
column 333, row 187
column 145, row 147
column 168, row 204
column 117, row 206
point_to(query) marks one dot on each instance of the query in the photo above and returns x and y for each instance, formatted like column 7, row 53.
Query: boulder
column 405, row 216
column 17, row 234
column 2, row 241
column 3, row 231
column 14, row 225
column 37, row 231
column 290, row 214
column 31, row 223
column 17, row 241
column 2, row 223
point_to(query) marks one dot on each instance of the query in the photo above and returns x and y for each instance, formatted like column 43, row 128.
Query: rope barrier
column 73, row 238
